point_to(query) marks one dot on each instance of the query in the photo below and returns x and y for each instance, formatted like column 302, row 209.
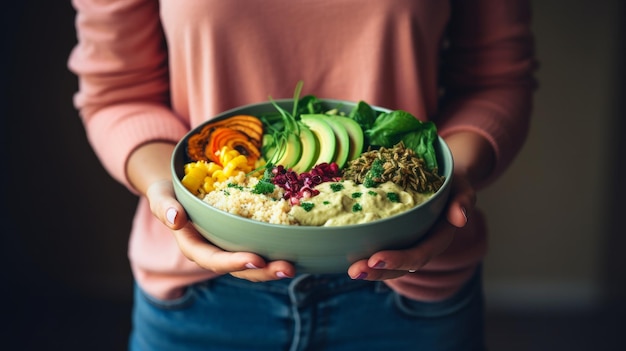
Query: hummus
column 345, row 203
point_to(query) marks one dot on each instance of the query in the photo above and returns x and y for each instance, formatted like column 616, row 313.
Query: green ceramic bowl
column 311, row 249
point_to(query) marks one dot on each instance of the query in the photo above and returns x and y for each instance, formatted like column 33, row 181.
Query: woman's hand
column 396, row 263
column 148, row 170
column 195, row 247
column 473, row 161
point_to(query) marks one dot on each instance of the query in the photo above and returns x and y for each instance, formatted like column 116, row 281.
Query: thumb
column 164, row 206
column 462, row 202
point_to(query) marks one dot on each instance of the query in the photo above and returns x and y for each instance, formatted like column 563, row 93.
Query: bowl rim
column 441, row 147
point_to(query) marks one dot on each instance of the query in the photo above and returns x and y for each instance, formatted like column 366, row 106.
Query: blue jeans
column 308, row 312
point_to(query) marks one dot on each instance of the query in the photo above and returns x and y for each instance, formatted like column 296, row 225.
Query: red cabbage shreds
column 302, row 186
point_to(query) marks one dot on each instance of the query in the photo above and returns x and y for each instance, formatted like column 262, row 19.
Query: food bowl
column 311, row 249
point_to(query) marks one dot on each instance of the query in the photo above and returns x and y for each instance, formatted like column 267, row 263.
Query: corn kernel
column 212, row 167
column 240, row 160
column 229, row 169
column 219, row 176
column 208, row 185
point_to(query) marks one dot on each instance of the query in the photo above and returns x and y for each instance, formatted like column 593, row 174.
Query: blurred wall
column 552, row 242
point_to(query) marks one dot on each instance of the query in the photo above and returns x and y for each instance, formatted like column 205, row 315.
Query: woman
column 151, row 70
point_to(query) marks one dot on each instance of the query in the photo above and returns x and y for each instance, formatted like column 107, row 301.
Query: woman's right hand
column 148, row 171
column 195, row 247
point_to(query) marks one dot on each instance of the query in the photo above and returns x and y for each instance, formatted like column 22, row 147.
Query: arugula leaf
column 309, row 104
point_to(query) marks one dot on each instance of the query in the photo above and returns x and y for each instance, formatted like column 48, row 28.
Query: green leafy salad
column 378, row 128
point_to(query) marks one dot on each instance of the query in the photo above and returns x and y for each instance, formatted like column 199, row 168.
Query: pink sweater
column 150, row 70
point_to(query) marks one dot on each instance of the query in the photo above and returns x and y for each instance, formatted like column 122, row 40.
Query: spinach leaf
column 364, row 115
column 422, row 141
column 389, row 128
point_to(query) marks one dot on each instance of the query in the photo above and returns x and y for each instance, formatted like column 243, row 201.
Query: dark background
column 65, row 277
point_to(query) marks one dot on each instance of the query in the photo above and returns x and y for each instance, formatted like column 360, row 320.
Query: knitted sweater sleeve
column 487, row 74
column 121, row 63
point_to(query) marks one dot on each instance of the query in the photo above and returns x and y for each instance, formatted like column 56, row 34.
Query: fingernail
column 464, row 211
column 280, row 274
column 171, row 215
column 251, row 266
column 361, row 276
column 380, row 264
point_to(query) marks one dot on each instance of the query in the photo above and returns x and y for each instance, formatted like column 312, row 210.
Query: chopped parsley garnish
column 265, row 184
column 236, row 186
column 357, row 207
column 372, row 192
column 336, row 187
column 326, row 202
column 393, row 197
column 356, row 195
column 373, row 176
column 307, row 206
column 263, row 187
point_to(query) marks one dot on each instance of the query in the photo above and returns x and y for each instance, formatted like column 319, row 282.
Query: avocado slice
column 310, row 149
column 355, row 133
column 292, row 149
column 268, row 146
column 342, row 138
column 285, row 152
column 324, row 134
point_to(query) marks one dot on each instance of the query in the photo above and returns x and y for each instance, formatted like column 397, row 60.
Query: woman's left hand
column 396, row 263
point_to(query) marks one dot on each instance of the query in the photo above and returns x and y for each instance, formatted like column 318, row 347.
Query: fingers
column 462, row 202
column 243, row 265
column 272, row 271
column 457, row 214
column 396, row 263
column 196, row 248
column 164, row 205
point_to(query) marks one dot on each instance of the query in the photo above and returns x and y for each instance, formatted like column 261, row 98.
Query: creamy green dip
column 344, row 203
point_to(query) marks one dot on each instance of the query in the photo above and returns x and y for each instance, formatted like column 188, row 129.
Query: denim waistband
column 303, row 288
